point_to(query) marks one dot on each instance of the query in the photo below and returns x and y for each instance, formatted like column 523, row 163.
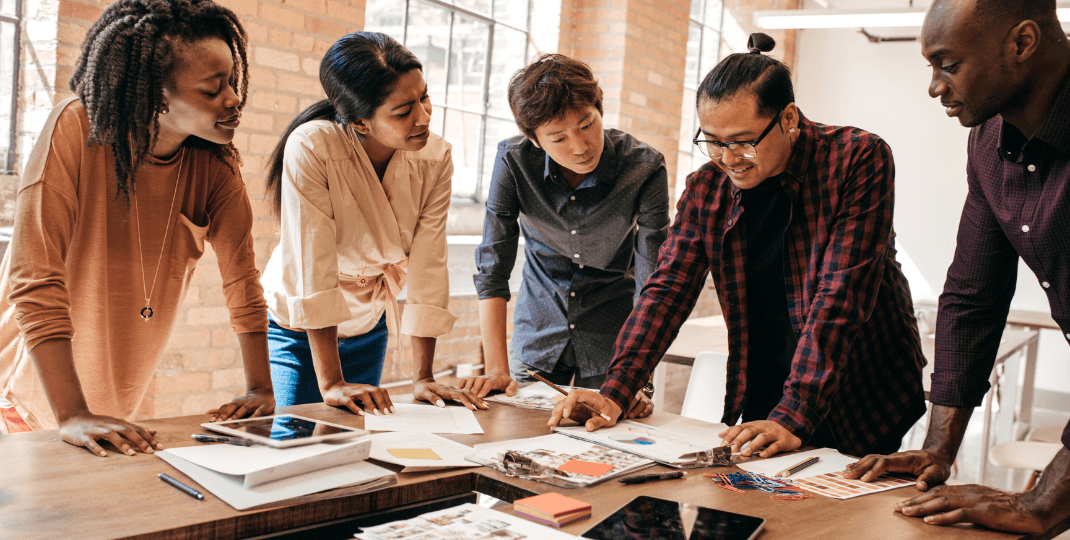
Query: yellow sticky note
column 413, row 453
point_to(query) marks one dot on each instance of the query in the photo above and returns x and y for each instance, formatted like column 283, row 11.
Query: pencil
column 562, row 390
column 798, row 467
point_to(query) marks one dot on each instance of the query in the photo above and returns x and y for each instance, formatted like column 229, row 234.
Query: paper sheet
column 241, row 460
column 387, row 446
column 360, row 476
column 824, row 477
column 468, row 522
column 553, row 451
column 658, row 443
column 537, row 395
column 425, row 419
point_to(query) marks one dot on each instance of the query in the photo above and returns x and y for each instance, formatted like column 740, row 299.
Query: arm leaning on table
column 972, row 316
column 427, row 312
column 667, row 299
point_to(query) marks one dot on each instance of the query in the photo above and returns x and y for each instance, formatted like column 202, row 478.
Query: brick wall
column 636, row 48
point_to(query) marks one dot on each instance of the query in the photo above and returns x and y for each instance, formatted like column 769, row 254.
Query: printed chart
column 834, row 485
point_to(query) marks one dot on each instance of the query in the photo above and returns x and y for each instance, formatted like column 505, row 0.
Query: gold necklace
column 146, row 312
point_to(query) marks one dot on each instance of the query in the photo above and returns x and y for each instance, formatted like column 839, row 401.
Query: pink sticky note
column 586, row 467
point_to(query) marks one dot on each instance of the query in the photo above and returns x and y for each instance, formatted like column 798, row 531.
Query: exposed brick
column 278, row 59
column 207, row 316
column 228, row 378
column 182, row 383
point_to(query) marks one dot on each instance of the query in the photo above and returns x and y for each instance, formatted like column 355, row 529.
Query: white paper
column 360, row 476
column 555, row 450
column 669, row 446
column 468, row 522
column 452, row 453
column 830, row 461
column 426, row 419
column 241, row 460
column 537, row 395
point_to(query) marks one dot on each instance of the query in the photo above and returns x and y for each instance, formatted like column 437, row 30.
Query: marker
column 562, row 390
column 181, row 487
column 236, row 441
column 643, row 478
column 798, row 467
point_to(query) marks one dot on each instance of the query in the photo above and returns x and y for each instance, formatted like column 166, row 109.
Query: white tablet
column 284, row 430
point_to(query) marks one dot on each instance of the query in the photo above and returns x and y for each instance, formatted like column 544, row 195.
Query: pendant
column 146, row 313
column 362, row 280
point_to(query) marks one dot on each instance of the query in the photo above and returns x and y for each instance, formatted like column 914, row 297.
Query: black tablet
column 648, row 518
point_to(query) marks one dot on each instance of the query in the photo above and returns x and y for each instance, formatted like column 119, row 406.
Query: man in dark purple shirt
column 1001, row 67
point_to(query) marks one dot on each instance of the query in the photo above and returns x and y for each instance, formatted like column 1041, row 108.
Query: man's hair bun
column 759, row 43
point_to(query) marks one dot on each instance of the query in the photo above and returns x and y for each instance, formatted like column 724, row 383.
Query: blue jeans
column 294, row 376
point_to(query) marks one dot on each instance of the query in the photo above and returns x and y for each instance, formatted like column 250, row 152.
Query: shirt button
column 572, row 198
column 574, row 294
column 1025, row 228
column 581, row 266
column 572, row 326
column 576, row 256
column 1046, row 285
column 573, row 232
column 730, row 223
column 1067, row 336
column 1032, row 168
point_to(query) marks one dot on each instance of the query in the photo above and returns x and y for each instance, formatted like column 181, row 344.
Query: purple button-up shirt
column 1018, row 206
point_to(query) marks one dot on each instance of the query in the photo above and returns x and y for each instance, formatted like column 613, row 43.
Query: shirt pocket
column 187, row 247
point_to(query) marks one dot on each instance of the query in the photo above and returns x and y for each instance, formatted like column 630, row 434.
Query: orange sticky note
column 413, row 453
column 586, row 467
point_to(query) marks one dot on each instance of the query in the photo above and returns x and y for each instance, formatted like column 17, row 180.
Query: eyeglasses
column 743, row 149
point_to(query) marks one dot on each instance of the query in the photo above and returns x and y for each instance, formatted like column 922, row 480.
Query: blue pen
column 181, row 487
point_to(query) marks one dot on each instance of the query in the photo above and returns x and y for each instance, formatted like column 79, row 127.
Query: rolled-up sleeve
column 426, row 311
column 496, row 253
column 310, row 294
column 46, row 212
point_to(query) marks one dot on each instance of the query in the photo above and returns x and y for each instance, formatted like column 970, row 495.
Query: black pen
column 181, row 487
column 236, row 441
column 641, row 478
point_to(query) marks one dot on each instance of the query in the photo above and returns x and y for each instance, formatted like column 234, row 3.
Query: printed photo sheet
column 426, row 419
column 537, row 395
column 668, row 446
column 464, row 522
column 554, row 451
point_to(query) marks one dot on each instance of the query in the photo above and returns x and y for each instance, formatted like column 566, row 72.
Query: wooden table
column 49, row 489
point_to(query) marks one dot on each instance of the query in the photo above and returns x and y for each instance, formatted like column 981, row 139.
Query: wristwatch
column 648, row 389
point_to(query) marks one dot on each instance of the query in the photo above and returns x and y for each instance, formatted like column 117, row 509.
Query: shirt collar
column 1054, row 129
column 604, row 173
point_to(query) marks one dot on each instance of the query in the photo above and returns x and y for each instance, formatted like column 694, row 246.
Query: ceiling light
column 850, row 18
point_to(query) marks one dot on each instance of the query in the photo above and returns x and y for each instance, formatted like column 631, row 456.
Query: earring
column 792, row 130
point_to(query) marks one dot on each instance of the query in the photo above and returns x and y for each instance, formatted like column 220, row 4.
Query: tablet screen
column 648, row 517
column 285, row 428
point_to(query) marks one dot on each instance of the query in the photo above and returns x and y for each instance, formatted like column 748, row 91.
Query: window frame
column 706, row 32
column 9, row 160
column 485, row 114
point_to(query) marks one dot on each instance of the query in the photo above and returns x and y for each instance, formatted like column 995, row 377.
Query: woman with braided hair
column 116, row 200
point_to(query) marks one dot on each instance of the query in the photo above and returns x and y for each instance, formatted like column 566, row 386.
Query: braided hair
column 129, row 56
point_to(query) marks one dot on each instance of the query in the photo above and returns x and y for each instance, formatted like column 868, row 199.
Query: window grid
column 10, row 24
column 453, row 71
column 706, row 21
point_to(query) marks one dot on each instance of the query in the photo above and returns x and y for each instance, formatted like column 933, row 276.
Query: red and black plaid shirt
column 858, row 361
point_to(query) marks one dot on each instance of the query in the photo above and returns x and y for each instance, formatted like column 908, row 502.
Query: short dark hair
column 358, row 73
column 549, row 88
column 767, row 77
column 1016, row 11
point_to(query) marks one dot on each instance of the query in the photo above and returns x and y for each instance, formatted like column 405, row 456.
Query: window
column 469, row 49
column 703, row 46
column 10, row 12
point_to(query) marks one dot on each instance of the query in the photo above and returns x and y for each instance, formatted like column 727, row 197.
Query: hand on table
column 374, row 399
column 929, row 467
column 482, row 385
column 86, row 429
column 641, row 407
column 774, row 437
column 991, row 508
column 571, row 407
column 253, row 403
column 432, row 392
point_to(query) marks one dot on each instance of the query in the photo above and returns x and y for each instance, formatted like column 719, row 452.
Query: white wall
column 843, row 79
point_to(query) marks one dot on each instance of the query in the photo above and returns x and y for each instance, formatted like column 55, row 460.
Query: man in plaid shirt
column 794, row 221
column 1002, row 67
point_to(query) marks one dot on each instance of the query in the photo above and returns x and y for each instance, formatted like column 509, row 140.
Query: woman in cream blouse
column 361, row 188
